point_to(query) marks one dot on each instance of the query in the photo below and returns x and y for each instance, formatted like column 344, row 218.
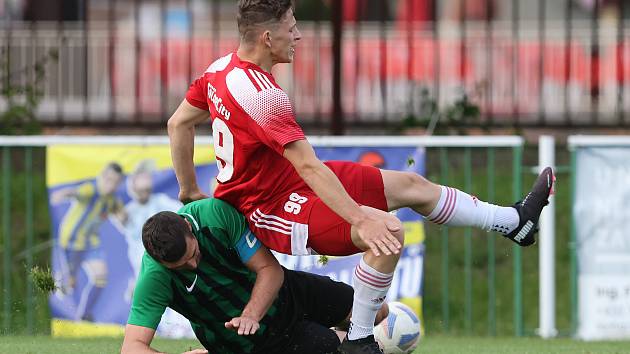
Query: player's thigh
column 319, row 298
column 363, row 183
column 329, row 233
column 312, row 338
column 408, row 189
column 388, row 218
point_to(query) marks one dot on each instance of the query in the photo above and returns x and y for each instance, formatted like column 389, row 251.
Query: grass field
column 436, row 344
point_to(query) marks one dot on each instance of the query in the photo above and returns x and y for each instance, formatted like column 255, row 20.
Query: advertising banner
column 100, row 197
column 601, row 214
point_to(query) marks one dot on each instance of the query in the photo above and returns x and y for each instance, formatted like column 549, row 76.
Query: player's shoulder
column 150, row 268
column 251, row 87
column 220, row 64
column 205, row 212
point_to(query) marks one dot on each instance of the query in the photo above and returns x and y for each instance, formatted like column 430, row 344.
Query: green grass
column 434, row 345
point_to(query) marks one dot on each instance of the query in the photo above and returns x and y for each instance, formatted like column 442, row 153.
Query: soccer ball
column 399, row 333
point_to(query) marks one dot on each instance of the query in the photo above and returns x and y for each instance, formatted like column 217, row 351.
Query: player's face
column 142, row 187
column 190, row 259
column 109, row 181
column 284, row 37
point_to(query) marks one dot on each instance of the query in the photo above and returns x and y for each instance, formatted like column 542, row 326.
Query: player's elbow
column 173, row 124
column 307, row 168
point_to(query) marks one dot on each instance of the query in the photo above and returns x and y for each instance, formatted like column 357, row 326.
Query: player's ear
column 267, row 38
column 189, row 226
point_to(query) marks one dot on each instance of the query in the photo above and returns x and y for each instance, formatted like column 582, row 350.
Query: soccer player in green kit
column 204, row 263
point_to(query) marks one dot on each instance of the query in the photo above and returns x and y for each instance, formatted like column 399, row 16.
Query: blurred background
column 363, row 67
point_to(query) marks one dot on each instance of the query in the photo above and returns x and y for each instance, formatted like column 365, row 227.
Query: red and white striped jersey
column 252, row 121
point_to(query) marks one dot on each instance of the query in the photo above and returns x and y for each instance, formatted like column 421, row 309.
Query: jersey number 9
column 223, row 149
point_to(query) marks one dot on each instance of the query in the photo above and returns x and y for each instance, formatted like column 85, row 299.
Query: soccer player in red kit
column 296, row 204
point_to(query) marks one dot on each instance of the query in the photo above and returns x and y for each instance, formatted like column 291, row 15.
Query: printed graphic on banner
column 100, row 196
column 603, row 245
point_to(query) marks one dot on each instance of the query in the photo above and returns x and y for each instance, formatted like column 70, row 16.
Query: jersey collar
column 248, row 64
column 191, row 220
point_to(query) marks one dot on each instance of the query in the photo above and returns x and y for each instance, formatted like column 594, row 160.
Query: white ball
column 399, row 333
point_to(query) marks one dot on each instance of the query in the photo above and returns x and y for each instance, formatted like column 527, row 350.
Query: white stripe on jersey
column 265, row 78
column 263, row 226
column 260, row 84
column 262, row 78
column 269, row 223
column 267, row 106
column 286, row 223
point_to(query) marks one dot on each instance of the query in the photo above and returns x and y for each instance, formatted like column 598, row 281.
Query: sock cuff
column 445, row 208
column 372, row 277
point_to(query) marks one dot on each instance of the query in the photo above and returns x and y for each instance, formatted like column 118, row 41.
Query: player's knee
column 398, row 229
column 416, row 181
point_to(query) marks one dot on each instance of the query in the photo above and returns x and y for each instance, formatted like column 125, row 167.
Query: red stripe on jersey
column 251, row 78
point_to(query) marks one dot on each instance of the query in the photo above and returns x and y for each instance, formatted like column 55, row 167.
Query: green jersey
column 216, row 291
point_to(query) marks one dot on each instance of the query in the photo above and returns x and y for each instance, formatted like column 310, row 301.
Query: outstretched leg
column 450, row 206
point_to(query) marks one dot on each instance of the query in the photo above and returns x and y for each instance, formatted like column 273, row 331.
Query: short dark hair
column 114, row 166
column 164, row 236
column 252, row 13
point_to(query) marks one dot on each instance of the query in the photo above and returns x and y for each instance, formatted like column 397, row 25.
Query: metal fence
column 129, row 64
column 475, row 282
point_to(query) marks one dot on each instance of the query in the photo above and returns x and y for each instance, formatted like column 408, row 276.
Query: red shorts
column 299, row 221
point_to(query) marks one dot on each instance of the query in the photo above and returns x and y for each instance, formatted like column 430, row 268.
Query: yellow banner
column 86, row 161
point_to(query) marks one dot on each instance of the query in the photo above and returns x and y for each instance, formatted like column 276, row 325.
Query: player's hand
column 377, row 235
column 243, row 325
column 190, row 196
column 196, row 351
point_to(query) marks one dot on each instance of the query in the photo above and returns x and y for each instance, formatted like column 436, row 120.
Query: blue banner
column 101, row 195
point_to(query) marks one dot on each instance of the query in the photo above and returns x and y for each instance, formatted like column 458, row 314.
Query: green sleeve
column 151, row 296
column 233, row 221
column 215, row 213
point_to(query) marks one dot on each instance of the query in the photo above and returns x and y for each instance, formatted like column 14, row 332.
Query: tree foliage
column 21, row 94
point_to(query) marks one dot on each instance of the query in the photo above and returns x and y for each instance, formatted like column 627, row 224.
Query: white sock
column 370, row 289
column 456, row 208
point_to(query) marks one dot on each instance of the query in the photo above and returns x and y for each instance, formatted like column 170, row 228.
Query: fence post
column 573, row 247
column 444, row 256
column 30, row 303
column 6, row 229
column 492, row 318
column 468, row 248
column 518, row 266
column 547, row 239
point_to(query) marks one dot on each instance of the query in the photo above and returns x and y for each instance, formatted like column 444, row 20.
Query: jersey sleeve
column 196, row 95
column 151, row 296
column 268, row 106
column 276, row 119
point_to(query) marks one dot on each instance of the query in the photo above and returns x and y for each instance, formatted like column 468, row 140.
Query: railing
column 565, row 72
column 472, row 282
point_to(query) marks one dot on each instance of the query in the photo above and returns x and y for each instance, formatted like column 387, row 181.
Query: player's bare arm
column 269, row 279
column 62, row 195
column 181, row 133
column 137, row 340
column 376, row 234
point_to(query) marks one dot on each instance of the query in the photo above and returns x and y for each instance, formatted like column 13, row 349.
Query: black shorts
column 309, row 305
